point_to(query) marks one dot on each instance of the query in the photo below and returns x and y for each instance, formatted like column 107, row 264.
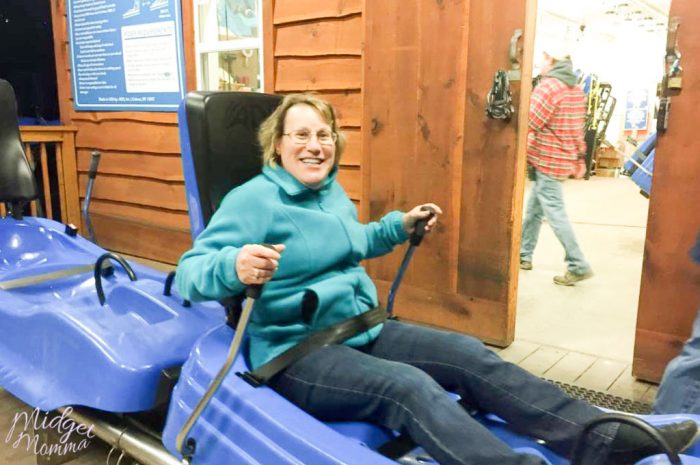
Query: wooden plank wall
column 428, row 68
column 670, row 291
column 138, row 205
column 414, row 100
column 318, row 46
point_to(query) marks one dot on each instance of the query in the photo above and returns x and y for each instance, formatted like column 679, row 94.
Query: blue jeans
column 401, row 381
column 679, row 391
column 547, row 201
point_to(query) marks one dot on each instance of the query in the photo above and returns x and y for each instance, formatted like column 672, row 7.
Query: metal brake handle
column 184, row 444
column 419, row 230
column 94, row 162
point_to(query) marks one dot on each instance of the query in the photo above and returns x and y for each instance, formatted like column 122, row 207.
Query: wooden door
column 670, row 289
column 428, row 66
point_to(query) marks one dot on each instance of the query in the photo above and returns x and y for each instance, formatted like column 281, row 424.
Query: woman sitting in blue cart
column 395, row 374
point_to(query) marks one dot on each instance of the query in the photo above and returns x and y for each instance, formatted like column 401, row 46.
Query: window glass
column 234, row 70
column 223, row 20
column 229, row 45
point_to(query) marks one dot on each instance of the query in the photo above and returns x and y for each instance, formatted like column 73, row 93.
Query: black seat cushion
column 16, row 177
column 223, row 128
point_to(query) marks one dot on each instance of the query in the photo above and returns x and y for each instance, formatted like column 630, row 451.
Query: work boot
column 631, row 444
column 525, row 265
column 571, row 278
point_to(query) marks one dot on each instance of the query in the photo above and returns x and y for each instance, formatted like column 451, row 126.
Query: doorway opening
column 617, row 49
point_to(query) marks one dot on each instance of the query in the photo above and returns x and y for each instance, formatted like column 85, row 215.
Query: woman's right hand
column 257, row 263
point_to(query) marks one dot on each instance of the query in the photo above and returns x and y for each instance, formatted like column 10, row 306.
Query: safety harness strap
column 332, row 335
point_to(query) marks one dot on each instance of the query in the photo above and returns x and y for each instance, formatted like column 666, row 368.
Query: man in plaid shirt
column 555, row 151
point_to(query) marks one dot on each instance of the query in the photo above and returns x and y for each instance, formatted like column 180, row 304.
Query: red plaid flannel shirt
column 555, row 138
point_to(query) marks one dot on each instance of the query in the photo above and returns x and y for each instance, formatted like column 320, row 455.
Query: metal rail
column 139, row 445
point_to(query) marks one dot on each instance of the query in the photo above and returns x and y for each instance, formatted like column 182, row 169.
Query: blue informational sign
column 126, row 55
column 636, row 110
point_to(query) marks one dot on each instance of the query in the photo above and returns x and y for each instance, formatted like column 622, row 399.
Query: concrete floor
column 596, row 317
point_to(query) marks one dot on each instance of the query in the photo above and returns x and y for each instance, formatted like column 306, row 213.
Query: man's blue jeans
column 401, row 381
column 547, row 201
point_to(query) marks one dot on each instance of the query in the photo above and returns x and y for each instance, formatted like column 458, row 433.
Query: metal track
column 128, row 442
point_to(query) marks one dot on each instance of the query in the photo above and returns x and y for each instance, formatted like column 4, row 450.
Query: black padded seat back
column 16, row 178
column 222, row 129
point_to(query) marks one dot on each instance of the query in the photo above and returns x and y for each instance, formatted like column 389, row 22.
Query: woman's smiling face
column 308, row 162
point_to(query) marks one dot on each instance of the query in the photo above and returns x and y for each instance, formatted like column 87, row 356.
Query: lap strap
column 331, row 335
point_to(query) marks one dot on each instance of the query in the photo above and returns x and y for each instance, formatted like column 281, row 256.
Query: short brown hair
column 272, row 129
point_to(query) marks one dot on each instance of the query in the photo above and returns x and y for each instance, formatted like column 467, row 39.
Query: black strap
column 332, row 335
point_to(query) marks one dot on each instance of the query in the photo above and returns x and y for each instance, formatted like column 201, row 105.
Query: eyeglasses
column 304, row 136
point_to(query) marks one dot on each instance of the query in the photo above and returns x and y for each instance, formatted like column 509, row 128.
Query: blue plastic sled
column 644, row 173
column 640, row 166
column 639, row 155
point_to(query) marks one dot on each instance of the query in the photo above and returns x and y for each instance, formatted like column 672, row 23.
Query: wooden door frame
column 465, row 277
column 527, row 64
column 670, row 287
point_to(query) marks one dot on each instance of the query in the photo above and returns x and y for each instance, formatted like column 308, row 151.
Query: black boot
column 632, row 445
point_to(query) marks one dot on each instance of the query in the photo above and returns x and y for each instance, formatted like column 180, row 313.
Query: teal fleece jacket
column 324, row 242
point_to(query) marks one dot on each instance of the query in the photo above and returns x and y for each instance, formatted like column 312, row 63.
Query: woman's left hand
column 421, row 212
